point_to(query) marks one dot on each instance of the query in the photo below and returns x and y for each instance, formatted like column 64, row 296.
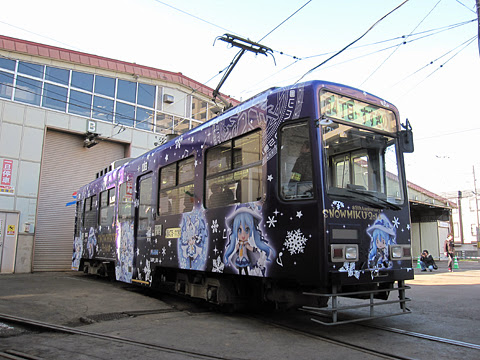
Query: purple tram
column 295, row 196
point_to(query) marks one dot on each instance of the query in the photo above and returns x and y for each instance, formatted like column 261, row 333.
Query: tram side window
column 177, row 193
column 234, row 171
column 107, row 207
column 145, row 205
column 90, row 212
column 295, row 162
column 125, row 201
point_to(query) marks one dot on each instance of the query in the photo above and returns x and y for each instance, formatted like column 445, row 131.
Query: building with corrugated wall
column 64, row 117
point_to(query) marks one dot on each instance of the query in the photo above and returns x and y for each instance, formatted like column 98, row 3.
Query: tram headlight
column 351, row 253
column 400, row 252
column 397, row 252
column 344, row 252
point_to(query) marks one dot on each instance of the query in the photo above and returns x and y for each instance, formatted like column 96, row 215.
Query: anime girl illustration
column 382, row 234
column 91, row 243
column 247, row 248
column 125, row 242
column 192, row 245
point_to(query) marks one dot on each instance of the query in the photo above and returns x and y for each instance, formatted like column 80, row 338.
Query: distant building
column 431, row 218
column 64, row 117
column 465, row 217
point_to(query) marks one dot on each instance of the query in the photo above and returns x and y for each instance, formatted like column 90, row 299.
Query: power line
column 432, row 62
column 353, row 42
column 398, row 47
column 467, row 43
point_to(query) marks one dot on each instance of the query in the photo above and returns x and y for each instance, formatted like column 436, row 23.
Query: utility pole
column 475, row 189
column 478, row 19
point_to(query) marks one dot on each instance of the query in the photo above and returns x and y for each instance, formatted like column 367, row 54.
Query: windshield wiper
column 372, row 196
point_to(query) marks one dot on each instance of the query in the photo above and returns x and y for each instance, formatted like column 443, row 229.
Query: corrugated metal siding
column 66, row 166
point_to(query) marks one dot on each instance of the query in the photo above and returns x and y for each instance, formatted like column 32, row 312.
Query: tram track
column 43, row 326
column 369, row 350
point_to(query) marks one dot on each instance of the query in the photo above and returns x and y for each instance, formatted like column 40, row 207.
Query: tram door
column 8, row 241
column 144, row 221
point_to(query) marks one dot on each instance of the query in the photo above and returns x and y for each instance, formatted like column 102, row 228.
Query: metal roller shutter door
column 66, row 166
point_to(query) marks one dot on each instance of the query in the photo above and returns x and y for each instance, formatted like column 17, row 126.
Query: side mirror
column 405, row 138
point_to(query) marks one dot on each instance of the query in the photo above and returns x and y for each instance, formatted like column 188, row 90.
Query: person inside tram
column 301, row 176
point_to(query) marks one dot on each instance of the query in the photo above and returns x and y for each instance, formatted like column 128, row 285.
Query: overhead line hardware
column 245, row 45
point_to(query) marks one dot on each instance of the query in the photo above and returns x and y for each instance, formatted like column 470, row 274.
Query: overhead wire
column 426, row 33
column 353, row 42
column 467, row 43
column 398, row 47
column 432, row 62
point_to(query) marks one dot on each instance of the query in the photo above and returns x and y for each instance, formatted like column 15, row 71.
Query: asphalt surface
column 443, row 305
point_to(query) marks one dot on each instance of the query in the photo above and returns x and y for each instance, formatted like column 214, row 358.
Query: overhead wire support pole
column 478, row 19
column 245, row 45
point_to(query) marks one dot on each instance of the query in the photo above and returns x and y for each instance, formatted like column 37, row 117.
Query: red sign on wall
column 6, row 177
column 7, row 172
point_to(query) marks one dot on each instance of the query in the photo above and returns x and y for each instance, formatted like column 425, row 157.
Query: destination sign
column 358, row 112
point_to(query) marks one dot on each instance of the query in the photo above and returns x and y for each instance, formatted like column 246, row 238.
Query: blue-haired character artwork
column 192, row 245
column 247, row 249
column 91, row 243
column 383, row 235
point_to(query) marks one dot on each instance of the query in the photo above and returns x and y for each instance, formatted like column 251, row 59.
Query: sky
column 423, row 57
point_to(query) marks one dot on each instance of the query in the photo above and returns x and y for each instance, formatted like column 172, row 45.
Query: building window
column 101, row 97
column 33, row 70
column 28, row 90
column 125, row 114
column 7, row 64
column 60, row 76
column 127, row 91
column 54, row 97
column 6, row 85
column 82, row 81
column 80, row 103
column 146, row 95
column 102, row 109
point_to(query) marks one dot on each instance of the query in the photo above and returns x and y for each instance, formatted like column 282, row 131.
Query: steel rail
column 425, row 336
column 73, row 331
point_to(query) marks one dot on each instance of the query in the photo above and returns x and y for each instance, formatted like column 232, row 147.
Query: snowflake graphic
column 214, row 226
column 218, row 266
column 396, row 222
column 164, row 251
column 338, row 204
column 271, row 221
column 295, row 242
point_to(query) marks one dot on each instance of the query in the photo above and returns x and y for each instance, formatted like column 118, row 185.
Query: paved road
column 443, row 304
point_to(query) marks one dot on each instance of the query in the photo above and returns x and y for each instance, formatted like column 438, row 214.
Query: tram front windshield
column 362, row 164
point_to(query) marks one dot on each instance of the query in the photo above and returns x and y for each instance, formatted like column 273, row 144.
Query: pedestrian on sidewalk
column 449, row 249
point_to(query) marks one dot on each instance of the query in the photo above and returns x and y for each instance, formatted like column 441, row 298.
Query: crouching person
column 426, row 261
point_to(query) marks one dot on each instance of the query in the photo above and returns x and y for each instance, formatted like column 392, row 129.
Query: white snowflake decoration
column 271, row 221
column 218, row 266
column 295, row 242
column 396, row 222
column 338, row 204
column 350, row 268
column 214, row 226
